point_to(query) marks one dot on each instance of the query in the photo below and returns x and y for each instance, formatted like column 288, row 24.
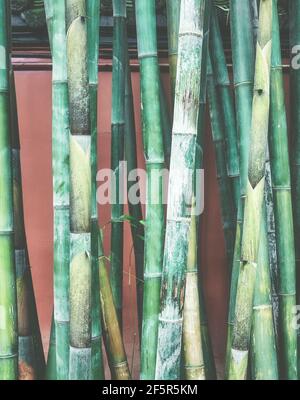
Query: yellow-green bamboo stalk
column 31, row 355
column 294, row 27
column 263, row 345
column 192, row 341
column 243, row 59
column 254, row 196
column 111, row 329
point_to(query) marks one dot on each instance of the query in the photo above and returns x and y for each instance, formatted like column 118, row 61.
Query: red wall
column 34, row 104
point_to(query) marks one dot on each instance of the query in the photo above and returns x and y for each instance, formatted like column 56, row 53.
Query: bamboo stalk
column 210, row 369
column 48, row 4
column 80, row 191
column 194, row 367
column 8, row 291
column 294, row 16
column 173, row 14
column 243, row 74
column 203, row 84
column 51, row 359
column 263, row 345
column 210, row 372
column 254, row 196
column 225, row 188
column 111, row 328
column 279, row 153
column 31, row 355
column 269, row 206
column 183, row 155
column 117, row 151
column 60, row 171
column 166, row 124
column 154, row 156
column 93, row 17
column 199, row 329
column 254, row 13
column 269, row 200
column 226, row 104
column 135, row 210
column 208, row 355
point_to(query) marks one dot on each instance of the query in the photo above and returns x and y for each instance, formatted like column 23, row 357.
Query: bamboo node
column 180, row 219
column 8, row 232
column 171, row 321
column 147, row 55
column 262, row 307
column 242, row 83
column 152, row 275
column 193, row 133
column 190, row 33
column 5, row 356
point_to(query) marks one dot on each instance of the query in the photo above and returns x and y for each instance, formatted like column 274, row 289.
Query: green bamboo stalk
column 254, row 13
column 210, row 369
column 294, row 17
column 263, row 346
column 243, row 74
column 279, row 154
column 8, row 291
column 48, row 4
column 173, row 14
column 117, row 151
column 208, row 356
column 270, row 207
column 60, row 171
column 226, row 103
column 154, row 156
column 194, row 367
column 225, row 189
column 51, row 359
column 263, row 370
column 31, row 355
column 111, row 328
column 203, row 84
column 135, row 210
column 254, row 197
column 183, row 163
column 166, row 124
column 80, row 191
column 93, row 18
column 269, row 200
